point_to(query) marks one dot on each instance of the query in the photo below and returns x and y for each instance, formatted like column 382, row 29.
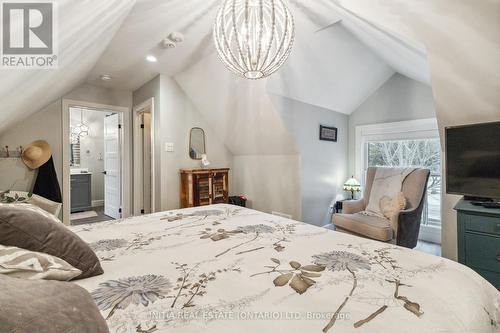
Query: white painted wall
column 331, row 69
column 323, row 167
column 266, row 162
column 44, row 125
column 399, row 99
column 178, row 116
column 174, row 117
column 239, row 110
column 100, row 95
column 271, row 182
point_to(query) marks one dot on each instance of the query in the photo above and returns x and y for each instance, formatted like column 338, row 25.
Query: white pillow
column 32, row 208
column 30, row 265
column 47, row 205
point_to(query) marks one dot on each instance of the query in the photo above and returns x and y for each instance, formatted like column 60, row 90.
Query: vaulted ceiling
column 114, row 36
column 85, row 30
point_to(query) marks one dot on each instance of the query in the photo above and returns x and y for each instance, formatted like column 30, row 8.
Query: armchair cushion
column 353, row 206
column 369, row 226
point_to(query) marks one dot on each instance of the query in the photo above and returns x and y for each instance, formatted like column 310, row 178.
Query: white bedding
column 225, row 269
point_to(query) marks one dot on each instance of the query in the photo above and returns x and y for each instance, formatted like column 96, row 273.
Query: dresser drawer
column 485, row 224
column 483, row 252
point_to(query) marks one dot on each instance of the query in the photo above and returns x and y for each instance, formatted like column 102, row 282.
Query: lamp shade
column 352, row 185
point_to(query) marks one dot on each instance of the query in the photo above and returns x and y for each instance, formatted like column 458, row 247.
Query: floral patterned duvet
column 226, row 269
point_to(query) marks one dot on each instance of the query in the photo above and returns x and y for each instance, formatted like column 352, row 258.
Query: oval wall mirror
column 197, row 146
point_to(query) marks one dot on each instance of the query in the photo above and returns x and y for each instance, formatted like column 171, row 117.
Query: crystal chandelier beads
column 254, row 37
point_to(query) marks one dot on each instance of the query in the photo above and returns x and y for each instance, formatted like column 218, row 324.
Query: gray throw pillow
column 28, row 227
column 28, row 306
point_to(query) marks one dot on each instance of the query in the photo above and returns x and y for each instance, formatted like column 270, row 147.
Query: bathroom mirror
column 197, row 143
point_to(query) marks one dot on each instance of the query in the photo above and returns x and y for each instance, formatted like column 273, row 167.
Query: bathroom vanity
column 81, row 191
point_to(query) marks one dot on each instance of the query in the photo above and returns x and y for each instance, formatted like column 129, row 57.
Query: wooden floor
column 99, row 218
column 430, row 248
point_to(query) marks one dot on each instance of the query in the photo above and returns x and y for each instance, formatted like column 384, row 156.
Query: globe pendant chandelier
column 254, row 37
column 81, row 130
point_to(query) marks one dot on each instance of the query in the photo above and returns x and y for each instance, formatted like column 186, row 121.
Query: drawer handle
column 498, row 257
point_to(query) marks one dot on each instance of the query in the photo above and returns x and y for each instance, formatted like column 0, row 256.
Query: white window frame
column 404, row 130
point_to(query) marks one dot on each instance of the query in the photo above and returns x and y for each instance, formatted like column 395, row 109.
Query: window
column 407, row 144
column 413, row 153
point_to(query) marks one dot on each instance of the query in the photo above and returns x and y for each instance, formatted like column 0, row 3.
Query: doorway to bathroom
column 94, row 164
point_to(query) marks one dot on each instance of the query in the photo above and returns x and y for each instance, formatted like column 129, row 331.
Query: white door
column 112, row 166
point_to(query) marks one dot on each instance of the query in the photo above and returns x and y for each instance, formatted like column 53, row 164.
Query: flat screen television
column 473, row 161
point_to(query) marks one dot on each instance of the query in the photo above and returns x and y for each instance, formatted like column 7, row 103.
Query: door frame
column 137, row 174
column 125, row 152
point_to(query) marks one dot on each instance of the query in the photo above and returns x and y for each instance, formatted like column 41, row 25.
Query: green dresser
column 479, row 240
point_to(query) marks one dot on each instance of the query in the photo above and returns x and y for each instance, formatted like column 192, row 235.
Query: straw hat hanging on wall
column 36, row 154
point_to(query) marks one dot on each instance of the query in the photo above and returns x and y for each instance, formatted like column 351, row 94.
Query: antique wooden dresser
column 201, row 187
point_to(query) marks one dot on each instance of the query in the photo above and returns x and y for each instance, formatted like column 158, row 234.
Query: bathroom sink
column 79, row 171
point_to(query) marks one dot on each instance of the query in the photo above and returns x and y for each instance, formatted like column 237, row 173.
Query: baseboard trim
column 430, row 234
column 97, row 203
column 287, row 216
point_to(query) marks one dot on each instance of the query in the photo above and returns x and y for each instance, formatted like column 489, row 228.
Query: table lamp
column 352, row 185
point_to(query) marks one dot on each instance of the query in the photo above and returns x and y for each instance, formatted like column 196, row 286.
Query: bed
column 224, row 269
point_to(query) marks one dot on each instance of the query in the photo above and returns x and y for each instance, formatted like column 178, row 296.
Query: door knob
column 104, row 172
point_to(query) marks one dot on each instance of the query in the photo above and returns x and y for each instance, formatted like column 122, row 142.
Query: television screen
column 473, row 160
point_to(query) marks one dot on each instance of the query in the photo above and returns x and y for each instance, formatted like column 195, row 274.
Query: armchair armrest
column 353, row 206
column 408, row 212
column 409, row 227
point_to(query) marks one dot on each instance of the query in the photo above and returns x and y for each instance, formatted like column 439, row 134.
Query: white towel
column 387, row 182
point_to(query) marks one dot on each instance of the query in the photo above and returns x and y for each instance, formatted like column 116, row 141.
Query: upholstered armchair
column 403, row 228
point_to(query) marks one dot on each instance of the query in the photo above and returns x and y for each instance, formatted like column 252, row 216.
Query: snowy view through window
column 414, row 153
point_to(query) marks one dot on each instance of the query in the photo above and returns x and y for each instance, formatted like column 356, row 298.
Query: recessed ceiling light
column 151, row 58
column 106, row 77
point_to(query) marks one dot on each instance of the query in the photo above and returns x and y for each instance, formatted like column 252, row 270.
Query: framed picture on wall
column 327, row 133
